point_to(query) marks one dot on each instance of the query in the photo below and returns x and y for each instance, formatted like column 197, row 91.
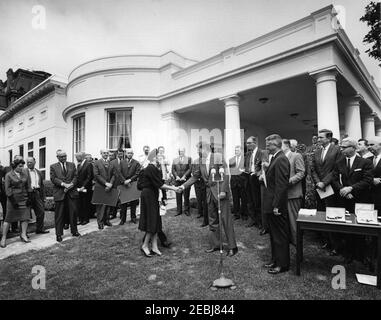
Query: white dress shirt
column 252, row 169
column 324, row 151
column 34, row 178
column 207, row 162
column 376, row 160
column 350, row 161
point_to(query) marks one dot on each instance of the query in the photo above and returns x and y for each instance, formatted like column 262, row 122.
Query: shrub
column 48, row 188
column 49, row 204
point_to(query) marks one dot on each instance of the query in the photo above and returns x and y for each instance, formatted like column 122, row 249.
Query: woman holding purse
column 18, row 203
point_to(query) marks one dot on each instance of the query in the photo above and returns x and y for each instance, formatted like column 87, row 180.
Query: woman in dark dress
column 150, row 181
column 18, row 204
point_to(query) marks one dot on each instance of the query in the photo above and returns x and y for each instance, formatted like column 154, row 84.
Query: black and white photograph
column 190, row 155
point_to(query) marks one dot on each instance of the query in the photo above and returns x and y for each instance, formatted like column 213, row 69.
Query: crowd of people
column 266, row 188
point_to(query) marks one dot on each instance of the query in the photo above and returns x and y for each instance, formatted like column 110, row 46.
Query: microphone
column 213, row 172
column 221, row 171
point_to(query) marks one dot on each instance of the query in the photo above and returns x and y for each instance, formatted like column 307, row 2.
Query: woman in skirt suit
column 150, row 181
column 18, row 204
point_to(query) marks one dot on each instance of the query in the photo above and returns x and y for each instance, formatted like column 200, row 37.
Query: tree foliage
column 372, row 17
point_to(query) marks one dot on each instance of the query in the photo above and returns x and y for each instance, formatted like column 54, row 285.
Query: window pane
column 30, row 146
column 42, row 158
column 42, row 142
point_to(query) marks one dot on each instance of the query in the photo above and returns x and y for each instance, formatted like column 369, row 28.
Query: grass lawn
column 109, row 265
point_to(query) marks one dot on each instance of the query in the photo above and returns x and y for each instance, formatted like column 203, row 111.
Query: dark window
column 42, row 142
column 10, row 156
column 21, row 150
column 42, row 158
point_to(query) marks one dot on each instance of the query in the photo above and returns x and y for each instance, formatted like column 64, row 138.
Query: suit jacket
column 101, row 173
column 236, row 178
column 376, row 190
column 40, row 183
column 85, row 175
column 16, row 187
column 183, row 169
column 257, row 161
column 200, row 172
column 297, row 172
column 57, row 177
column 322, row 171
column 277, row 177
column 124, row 171
column 359, row 177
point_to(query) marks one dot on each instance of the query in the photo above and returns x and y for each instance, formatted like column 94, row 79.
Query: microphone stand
column 222, row 281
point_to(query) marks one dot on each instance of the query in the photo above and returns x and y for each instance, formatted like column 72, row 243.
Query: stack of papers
column 307, row 212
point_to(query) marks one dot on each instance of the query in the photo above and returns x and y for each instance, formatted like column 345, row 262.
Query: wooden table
column 318, row 223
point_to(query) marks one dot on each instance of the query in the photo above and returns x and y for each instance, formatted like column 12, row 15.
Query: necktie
column 322, row 154
column 375, row 161
column 64, row 169
column 236, row 162
column 106, row 164
column 207, row 164
column 348, row 164
column 78, row 167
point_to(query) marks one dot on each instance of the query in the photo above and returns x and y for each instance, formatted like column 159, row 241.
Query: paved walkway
column 40, row 241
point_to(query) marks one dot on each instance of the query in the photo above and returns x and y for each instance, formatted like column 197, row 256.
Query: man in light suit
column 237, row 183
column 63, row 175
column 181, row 171
column 295, row 191
column 209, row 162
column 84, row 186
column 124, row 172
column 275, row 205
column 102, row 177
column 36, row 194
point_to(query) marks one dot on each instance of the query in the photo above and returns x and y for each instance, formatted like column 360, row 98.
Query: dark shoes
column 178, row 213
column 59, row 238
column 277, row 270
column 76, row 234
column 166, row 244
column 232, row 252
column 133, row 220
column 199, row 216
column 236, row 217
column 101, row 226
column 263, row 232
column 83, row 223
column 66, row 226
column 210, row 250
column 108, row 223
column 187, row 213
column 42, row 231
column 121, row 223
column 251, row 224
column 203, row 225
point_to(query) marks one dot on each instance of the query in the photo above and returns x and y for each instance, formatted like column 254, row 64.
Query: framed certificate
column 363, row 206
column 335, row 214
column 129, row 193
column 366, row 216
column 101, row 196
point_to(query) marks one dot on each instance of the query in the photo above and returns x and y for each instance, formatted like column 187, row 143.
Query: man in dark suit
column 63, row 175
column 323, row 163
column 209, row 170
column 253, row 163
column 352, row 180
column 3, row 196
column 36, row 194
column 375, row 147
column 237, row 183
column 123, row 173
column 90, row 161
column 102, row 177
column 200, row 190
column 181, row 171
column 84, row 186
column 277, row 176
column 114, row 155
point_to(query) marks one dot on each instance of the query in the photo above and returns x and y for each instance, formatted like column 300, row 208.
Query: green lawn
column 109, row 265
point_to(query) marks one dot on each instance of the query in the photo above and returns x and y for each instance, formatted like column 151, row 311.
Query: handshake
column 179, row 189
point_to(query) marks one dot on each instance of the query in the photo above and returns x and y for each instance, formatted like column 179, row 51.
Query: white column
column 353, row 117
column 326, row 99
column 232, row 125
column 171, row 134
column 368, row 126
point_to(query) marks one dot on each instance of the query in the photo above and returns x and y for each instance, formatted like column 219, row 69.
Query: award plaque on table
column 101, row 196
column 363, row 206
column 335, row 214
column 366, row 216
column 129, row 193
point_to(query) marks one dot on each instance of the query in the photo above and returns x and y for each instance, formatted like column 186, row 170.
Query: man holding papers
column 352, row 179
